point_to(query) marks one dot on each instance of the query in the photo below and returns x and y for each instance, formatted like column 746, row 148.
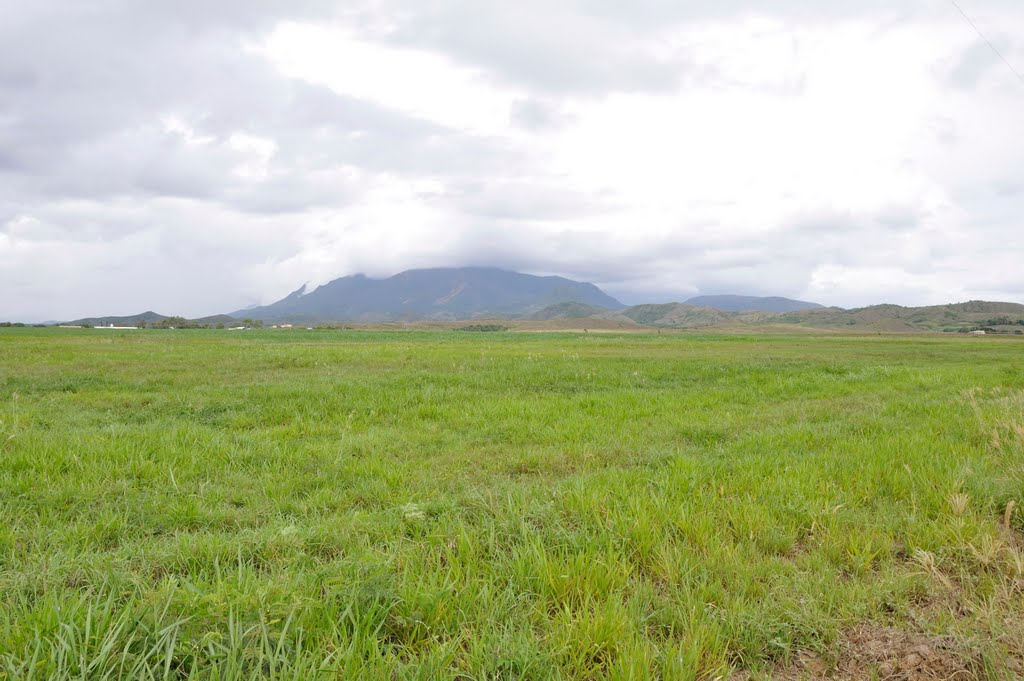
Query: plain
column 430, row 505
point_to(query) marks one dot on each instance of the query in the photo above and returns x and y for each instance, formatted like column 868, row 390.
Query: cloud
column 554, row 48
column 197, row 157
column 537, row 115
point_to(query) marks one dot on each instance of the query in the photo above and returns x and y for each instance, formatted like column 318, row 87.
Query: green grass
column 412, row 505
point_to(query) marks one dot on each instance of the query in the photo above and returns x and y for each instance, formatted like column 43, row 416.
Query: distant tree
column 485, row 328
column 172, row 323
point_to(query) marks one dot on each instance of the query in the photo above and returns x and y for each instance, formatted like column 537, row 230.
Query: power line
column 994, row 48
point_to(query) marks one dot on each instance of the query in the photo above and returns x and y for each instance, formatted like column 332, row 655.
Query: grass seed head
column 958, row 503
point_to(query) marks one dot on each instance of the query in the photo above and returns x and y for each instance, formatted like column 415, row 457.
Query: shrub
column 484, row 327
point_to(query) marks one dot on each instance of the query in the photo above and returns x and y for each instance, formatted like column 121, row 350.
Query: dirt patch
column 873, row 652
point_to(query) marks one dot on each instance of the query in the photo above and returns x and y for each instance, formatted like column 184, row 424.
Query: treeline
column 989, row 326
column 1003, row 321
column 992, row 330
column 182, row 323
column 484, row 328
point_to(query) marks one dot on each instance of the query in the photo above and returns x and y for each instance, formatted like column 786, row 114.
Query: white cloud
column 256, row 153
column 413, row 81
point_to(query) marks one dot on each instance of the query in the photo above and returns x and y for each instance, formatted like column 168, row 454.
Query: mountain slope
column 731, row 303
column 441, row 294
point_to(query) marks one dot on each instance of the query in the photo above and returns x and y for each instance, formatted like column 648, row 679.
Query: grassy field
column 431, row 505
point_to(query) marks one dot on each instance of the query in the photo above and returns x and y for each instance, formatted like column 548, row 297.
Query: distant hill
column 731, row 303
column 213, row 320
column 128, row 320
column 676, row 315
column 569, row 310
column 430, row 294
column 975, row 314
column 993, row 317
column 153, row 319
column 686, row 316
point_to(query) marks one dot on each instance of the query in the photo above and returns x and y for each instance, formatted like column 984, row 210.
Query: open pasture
column 442, row 505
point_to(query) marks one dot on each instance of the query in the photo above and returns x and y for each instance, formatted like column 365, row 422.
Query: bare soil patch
column 873, row 652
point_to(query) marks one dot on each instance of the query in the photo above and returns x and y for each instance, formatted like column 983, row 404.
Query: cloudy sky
column 196, row 157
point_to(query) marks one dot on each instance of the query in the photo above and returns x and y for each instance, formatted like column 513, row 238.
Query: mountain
column 731, row 303
column 437, row 294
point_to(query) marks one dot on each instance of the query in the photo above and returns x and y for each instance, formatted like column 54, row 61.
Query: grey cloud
column 655, row 13
column 597, row 46
column 86, row 88
column 542, row 46
column 945, row 130
column 825, row 223
column 536, row 115
column 1009, row 190
column 671, row 268
column 972, row 65
column 524, row 200
column 890, row 220
column 900, row 218
column 9, row 163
